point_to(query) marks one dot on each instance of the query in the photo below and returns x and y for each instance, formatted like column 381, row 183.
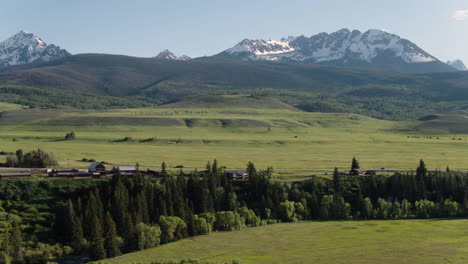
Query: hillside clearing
column 392, row 241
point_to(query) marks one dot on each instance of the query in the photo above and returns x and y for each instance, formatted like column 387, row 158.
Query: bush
column 33, row 159
column 228, row 221
column 148, row 236
column 70, row 136
column 172, row 228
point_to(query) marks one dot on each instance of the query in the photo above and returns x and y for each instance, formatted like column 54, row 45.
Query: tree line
column 128, row 214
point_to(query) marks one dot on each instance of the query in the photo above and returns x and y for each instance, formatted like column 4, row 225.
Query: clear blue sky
column 205, row 27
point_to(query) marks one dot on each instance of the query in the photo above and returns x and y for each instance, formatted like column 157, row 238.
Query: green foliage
column 249, row 216
column 50, row 97
column 172, row 228
column 424, row 208
column 70, row 136
column 117, row 215
column 148, row 236
column 33, row 159
column 354, row 167
column 228, row 221
column 111, row 241
column 200, row 226
column 287, row 212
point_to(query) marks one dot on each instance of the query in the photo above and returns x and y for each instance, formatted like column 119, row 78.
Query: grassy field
column 8, row 106
column 392, row 241
column 282, row 138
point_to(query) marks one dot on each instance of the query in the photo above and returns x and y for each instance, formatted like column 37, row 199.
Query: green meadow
column 391, row 241
column 284, row 138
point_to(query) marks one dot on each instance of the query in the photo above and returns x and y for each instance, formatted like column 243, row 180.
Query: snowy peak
column 261, row 47
column 167, row 55
column 26, row 47
column 457, row 64
column 343, row 47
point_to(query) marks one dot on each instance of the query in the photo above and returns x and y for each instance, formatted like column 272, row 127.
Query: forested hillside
column 108, row 218
column 119, row 81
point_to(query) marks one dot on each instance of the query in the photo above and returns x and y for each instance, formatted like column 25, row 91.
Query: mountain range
column 373, row 48
column 100, row 81
column 345, row 48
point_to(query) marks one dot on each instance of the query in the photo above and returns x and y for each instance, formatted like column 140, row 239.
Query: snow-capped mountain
column 167, row 55
column 373, row 48
column 26, row 47
column 457, row 64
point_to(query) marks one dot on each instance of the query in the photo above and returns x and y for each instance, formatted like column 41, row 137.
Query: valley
column 277, row 135
column 341, row 147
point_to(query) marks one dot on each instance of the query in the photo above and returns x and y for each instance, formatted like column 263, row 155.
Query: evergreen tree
column 314, row 206
column 77, row 238
column 97, row 250
column 421, row 174
column 163, row 171
column 336, row 180
column 111, row 243
column 421, row 171
column 354, row 167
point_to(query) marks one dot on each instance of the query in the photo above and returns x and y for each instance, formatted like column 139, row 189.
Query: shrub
column 70, row 136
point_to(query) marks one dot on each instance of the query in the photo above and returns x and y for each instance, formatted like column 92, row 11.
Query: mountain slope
column 457, row 64
column 25, row 48
column 376, row 93
column 373, row 48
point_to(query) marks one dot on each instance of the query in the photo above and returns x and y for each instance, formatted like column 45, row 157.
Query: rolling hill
column 228, row 101
column 391, row 241
column 456, row 124
column 112, row 81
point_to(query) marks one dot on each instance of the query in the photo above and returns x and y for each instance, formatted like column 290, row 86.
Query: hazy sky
column 205, row 27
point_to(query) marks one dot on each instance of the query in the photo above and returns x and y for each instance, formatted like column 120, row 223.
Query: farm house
column 97, row 167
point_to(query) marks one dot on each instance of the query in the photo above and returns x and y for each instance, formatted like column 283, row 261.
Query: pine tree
column 111, row 244
column 336, row 180
column 464, row 208
column 354, row 167
column 421, row 175
column 97, row 250
column 314, row 206
column 163, row 171
column 421, row 171
column 77, row 237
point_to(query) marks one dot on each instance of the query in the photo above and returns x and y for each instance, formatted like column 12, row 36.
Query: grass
column 8, row 106
column 229, row 101
column 282, row 138
column 360, row 242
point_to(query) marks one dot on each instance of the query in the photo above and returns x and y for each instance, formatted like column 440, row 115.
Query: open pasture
column 282, row 138
column 360, row 242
